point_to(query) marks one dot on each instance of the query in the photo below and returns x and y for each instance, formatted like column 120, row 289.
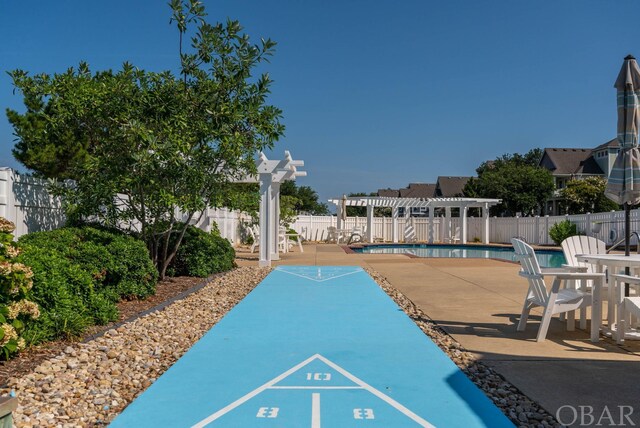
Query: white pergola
column 271, row 173
column 395, row 204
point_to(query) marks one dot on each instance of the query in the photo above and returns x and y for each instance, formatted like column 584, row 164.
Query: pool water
column 546, row 258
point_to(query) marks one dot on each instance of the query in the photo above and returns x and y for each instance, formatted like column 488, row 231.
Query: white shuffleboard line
column 315, row 410
column 315, row 387
column 377, row 393
column 206, row 421
column 318, row 280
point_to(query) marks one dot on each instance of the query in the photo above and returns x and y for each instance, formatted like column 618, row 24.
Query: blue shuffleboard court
column 314, row 347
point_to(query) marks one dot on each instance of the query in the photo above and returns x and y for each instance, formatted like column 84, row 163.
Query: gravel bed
column 88, row 384
column 519, row 408
column 26, row 361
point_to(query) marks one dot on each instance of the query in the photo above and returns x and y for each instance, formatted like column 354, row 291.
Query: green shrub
column 66, row 295
column 202, row 254
column 79, row 274
column 131, row 273
column 562, row 230
column 119, row 265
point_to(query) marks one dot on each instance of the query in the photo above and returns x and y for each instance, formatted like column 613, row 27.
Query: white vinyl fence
column 608, row 227
column 25, row 201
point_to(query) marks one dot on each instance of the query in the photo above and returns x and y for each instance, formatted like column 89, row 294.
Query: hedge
column 202, row 254
column 79, row 276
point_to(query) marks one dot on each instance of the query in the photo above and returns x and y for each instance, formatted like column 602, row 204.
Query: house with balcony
column 567, row 164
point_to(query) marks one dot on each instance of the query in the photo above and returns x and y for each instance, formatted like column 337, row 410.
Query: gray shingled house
column 576, row 163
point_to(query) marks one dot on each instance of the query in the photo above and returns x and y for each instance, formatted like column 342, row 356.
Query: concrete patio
column 478, row 302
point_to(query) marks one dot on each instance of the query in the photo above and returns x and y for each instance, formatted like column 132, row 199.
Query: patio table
column 611, row 263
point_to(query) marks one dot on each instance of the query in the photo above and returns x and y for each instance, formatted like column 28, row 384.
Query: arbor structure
column 152, row 150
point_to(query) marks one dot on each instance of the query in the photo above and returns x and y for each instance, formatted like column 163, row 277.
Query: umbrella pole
column 627, row 207
column 627, row 240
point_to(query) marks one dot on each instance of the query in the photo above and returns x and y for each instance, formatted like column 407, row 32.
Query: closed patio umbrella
column 623, row 185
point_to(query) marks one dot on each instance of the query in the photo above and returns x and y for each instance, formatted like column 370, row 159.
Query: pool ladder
column 614, row 246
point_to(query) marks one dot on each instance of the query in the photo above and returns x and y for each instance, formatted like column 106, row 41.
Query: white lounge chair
column 554, row 301
column 581, row 244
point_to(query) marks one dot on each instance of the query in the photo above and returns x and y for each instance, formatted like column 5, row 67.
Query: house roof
column 419, row 190
column 570, row 161
column 612, row 144
column 391, row 193
column 448, row 187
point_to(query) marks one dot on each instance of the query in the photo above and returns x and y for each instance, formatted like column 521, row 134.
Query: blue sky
column 374, row 93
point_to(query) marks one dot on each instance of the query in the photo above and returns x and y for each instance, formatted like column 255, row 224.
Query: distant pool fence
column 608, row 227
column 25, row 201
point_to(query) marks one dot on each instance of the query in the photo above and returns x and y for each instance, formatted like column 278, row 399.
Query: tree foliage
column 144, row 146
column 517, row 179
column 306, row 199
column 587, row 195
column 562, row 230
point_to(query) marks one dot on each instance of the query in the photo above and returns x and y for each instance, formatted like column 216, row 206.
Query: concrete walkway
column 478, row 302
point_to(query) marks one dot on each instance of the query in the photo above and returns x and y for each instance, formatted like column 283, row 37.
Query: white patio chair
column 292, row 238
column 332, row 234
column 455, row 236
column 255, row 235
column 628, row 309
column 357, row 235
column 286, row 241
column 556, row 300
column 581, row 244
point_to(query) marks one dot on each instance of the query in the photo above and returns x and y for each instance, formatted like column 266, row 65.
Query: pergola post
column 275, row 224
column 447, row 224
column 431, row 225
column 370, row 223
column 264, row 220
column 395, row 213
column 270, row 174
column 485, row 224
column 463, row 226
column 339, row 219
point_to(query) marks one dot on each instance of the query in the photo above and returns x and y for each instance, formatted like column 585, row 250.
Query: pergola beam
column 431, row 203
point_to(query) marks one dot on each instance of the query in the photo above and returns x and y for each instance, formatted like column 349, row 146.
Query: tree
column 517, row 179
column 587, row 195
column 153, row 149
column 306, row 198
column 288, row 212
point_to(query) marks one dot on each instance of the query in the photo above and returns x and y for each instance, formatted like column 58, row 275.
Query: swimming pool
column 547, row 258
